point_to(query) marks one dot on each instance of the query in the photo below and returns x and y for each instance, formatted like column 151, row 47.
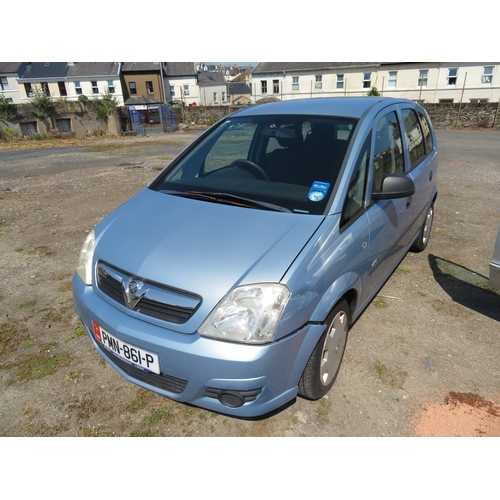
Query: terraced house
column 429, row 82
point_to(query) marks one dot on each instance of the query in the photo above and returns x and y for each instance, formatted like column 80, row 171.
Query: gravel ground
column 427, row 346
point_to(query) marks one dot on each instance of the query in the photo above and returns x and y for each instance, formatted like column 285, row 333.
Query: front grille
column 162, row 381
column 177, row 307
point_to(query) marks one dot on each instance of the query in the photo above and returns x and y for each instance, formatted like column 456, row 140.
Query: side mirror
column 395, row 186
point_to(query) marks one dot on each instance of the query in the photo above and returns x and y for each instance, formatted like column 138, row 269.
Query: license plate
column 136, row 356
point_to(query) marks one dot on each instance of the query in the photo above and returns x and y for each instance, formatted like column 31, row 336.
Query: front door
column 390, row 220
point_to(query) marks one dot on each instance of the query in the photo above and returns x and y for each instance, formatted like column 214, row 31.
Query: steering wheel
column 251, row 167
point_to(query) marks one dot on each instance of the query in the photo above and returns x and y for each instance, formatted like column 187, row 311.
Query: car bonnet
column 201, row 247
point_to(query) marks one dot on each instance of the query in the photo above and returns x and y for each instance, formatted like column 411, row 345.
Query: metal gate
column 137, row 122
column 168, row 119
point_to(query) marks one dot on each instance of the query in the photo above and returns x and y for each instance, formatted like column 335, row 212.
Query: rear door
column 422, row 160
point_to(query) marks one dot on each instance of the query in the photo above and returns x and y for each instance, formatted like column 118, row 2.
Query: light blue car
column 232, row 280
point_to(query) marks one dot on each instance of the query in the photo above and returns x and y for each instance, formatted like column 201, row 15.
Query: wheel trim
column 428, row 225
column 333, row 348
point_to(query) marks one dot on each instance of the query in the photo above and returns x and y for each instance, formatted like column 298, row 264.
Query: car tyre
column 323, row 366
column 425, row 231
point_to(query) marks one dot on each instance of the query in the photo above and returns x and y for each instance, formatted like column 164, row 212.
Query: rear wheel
column 324, row 364
column 425, row 232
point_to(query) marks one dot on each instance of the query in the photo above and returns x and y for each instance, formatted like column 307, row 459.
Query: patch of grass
column 157, row 416
column 28, row 345
column 65, row 287
column 11, row 336
column 323, row 410
column 18, row 249
column 146, row 433
column 381, row 369
column 25, row 305
column 47, row 347
column 42, row 250
column 400, row 270
column 54, row 316
column 41, row 365
column 140, row 401
column 80, row 332
column 422, row 294
column 380, row 304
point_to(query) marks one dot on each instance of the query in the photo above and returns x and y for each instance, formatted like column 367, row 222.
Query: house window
column 452, row 76
column 63, row 124
column 186, row 90
column 95, row 88
column 295, row 83
column 477, row 100
column 28, row 89
column 487, row 75
column 111, row 86
column 367, row 80
column 149, row 87
column 445, row 101
column 422, row 77
column 133, row 88
column 393, row 76
column 223, row 97
column 263, row 87
column 78, row 88
column 319, row 82
column 340, row 82
column 276, row 86
column 172, row 90
column 45, row 88
column 62, row 89
column 215, row 97
column 4, row 84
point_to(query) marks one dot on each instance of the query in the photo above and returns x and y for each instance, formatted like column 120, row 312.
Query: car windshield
column 287, row 163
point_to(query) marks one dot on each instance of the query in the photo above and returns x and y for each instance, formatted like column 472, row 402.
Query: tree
column 374, row 92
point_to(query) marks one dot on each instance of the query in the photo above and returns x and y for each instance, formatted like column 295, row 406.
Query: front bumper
column 235, row 379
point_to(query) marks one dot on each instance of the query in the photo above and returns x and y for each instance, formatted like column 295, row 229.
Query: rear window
column 287, row 162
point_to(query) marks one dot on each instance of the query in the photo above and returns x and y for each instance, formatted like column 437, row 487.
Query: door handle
column 408, row 201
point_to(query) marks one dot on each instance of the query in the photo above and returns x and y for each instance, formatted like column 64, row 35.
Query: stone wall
column 83, row 120
column 467, row 115
column 66, row 118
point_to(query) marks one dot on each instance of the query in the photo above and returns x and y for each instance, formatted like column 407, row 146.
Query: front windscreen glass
column 287, row 163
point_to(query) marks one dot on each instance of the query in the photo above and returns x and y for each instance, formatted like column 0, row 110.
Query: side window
column 356, row 193
column 427, row 132
column 415, row 137
column 388, row 156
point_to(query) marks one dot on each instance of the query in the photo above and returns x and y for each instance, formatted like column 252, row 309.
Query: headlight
column 249, row 314
column 84, row 268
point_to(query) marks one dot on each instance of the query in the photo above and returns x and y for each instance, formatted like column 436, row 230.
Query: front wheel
column 425, row 231
column 324, row 364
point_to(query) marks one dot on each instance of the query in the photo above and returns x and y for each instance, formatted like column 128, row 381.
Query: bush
column 8, row 135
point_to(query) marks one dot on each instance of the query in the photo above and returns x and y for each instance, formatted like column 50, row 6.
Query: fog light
column 231, row 399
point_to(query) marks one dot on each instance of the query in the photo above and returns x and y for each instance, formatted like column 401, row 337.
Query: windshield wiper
column 229, row 199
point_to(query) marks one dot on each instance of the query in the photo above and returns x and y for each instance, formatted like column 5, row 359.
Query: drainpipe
column 460, row 105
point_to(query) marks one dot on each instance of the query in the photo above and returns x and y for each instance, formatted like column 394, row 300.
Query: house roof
column 275, row 67
column 96, row 69
column 206, row 78
column 141, row 66
column 45, row 71
column 7, row 68
column 238, row 88
column 180, row 68
column 140, row 99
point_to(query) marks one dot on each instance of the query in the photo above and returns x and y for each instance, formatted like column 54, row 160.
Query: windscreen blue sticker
column 318, row 190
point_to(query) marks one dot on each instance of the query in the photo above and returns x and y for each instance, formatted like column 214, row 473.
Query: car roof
column 353, row 107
